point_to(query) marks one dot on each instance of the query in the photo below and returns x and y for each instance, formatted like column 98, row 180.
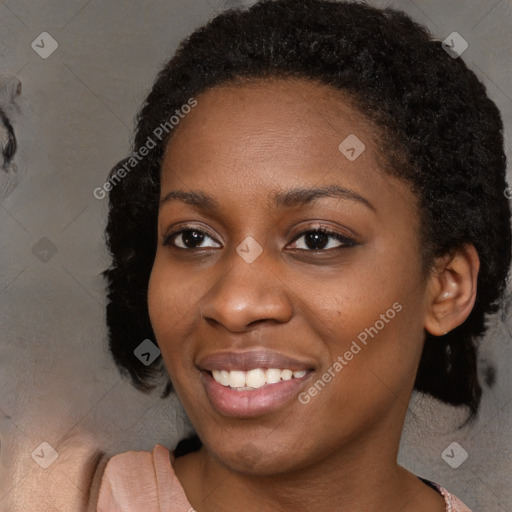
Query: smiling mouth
column 250, row 383
column 254, row 379
column 243, row 401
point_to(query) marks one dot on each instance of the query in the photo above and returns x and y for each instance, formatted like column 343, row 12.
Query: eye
column 189, row 238
column 318, row 239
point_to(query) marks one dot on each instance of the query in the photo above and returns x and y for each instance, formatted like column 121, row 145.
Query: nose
column 246, row 295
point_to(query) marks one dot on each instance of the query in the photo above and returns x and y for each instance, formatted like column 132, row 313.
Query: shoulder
column 130, row 480
column 135, row 481
column 122, row 463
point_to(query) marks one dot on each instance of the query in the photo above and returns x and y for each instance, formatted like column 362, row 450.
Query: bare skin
column 338, row 452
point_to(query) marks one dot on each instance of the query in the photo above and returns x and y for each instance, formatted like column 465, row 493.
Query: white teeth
column 273, row 375
column 221, row 376
column 286, row 374
column 254, row 379
column 224, row 378
column 237, row 379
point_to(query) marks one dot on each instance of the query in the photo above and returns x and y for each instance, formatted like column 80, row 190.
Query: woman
column 312, row 224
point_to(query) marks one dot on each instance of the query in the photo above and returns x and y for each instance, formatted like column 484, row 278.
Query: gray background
column 74, row 121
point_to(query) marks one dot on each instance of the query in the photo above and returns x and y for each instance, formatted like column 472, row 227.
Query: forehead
column 268, row 124
column 274, row 107
column 245, row 145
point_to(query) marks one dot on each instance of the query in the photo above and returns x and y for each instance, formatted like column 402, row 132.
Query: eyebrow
column 286, row 199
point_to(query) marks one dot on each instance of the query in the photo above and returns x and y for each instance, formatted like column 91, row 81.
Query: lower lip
column 242, row 404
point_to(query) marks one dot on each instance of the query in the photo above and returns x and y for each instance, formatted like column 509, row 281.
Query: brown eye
column 319, row 239
column 189, row 238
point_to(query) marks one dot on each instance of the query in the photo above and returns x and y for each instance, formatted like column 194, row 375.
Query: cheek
column 168, row 311
column 391, row 348
column 340, row 307
column 171, row 301
column 372, row 320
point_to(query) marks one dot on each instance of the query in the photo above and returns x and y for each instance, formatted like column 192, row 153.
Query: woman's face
column 250, row 283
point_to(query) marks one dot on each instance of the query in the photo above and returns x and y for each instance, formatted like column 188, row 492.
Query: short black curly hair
column 440, row 133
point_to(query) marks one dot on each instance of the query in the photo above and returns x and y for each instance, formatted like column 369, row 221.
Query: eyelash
column 345, row 241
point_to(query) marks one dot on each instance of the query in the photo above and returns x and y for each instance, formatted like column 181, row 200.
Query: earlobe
column 451, row 290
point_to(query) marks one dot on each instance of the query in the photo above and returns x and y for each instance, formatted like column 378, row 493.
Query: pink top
column 145, row 482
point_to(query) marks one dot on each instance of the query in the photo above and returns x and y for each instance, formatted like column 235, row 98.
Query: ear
column 451, row 290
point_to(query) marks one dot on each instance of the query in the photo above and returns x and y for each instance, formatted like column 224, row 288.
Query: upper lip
column 251, row 359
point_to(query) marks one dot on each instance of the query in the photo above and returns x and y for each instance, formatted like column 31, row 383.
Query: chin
column 259, row 460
